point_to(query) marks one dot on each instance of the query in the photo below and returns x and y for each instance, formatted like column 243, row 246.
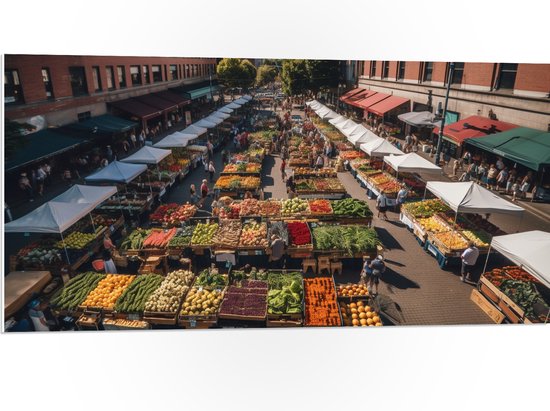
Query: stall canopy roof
column 523, row 145
column 147, row 155
column 80, row 194
column 225, row 110
column 220, row 114
column 136, row 108
column 174, row 140
column 173, row 97
column 357, row 131
column 529, row 250
column 366, row 137
column 233, row 105
column 241, row 101
column 326, row 113
column 212, row 118
column 201, row 92
column 477, row 127
column 470, row 197
column 247, row 97
column 380, row 147
column 52, row 217
column 353, row 100
column 117, row 172
column 154, row 100
column 410, row 163
column 371, row 100
column 205, row 123
column 387, row 104
column 418, row 118
column 351, row 93
column 41, row 145
column 338, row 121
column 106, row 124
column 193, row 129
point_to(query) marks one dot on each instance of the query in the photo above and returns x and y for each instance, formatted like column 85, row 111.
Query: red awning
column 352, row 101
column 351, row 93
column 387, row 104
column 372, row 99
column 157, row 102
column 136, row 108
column 173, row 97
column 477, row 127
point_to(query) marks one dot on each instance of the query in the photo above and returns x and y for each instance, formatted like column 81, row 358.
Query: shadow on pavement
column 394, row 279
column 387, row 239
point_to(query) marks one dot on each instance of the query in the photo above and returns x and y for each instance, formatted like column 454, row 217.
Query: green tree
column 234, row 72
column 295, row 77
column 323, row 74
column 266, row 74
column 14, row 136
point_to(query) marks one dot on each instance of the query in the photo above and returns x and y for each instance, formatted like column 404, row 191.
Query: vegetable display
column 108, row 290
column 248, row 301
column 136, row 294
column 294, row 206
column 320, row 300
column 212, row 278
column 249, row 207
column 525, row 295
column 182, row 238
column 359, row 314
column 201, row 302
column 426, row 208
column 203, row 234
column 299, row 233
column 270, row 208
column 39, row 254
column 351, row 207
column 320, row 207
column 254, row 234
column 135, row 240
column 353, row 239
column 173, row 214
column 76, row 240
column 285, row 293
column 167, row 297
column 159, row 238
column 76, row 290
column 227, row 234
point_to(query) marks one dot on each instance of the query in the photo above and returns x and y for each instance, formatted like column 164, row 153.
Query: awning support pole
column 92, row 220
column 65, row 248
column 487, row 259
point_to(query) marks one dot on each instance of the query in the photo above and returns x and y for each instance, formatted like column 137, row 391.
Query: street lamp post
column 440, row 136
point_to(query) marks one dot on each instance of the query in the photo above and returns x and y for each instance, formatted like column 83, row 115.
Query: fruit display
column 119, row 323
column 352, row 290
column 76, row 290
column 350, row 155
column 498, row 275
column 227, row 234
column 201, row 302
column 173, row 214
column 136, row 294
column 249, row 207
column 242, row 168
column 299, row 233
column 390, row 187
column 76, row 240
column 359, row 314
column 452, row 240
column 351, row 207
column 320, row 207
column 285, row 295
column 203, row 234
column 304, row 185
column 434, row 224
column 482, row 223
column 454, row 220
column 295, row 206
column 182, row 238
column 270, row 208
column 314, row 172
column 234, row 182
column 230, row 211
column 159, row 238
column 101, row 220
column 108, row 290
column 425, row 208
column 173, row 288
column 480, row 238
column 279, row 228
column 353, row 239
column 328, row 185
column 254, row 234
column 321, row 308
column 248, row 301
column 211, row 278
column 135, row 240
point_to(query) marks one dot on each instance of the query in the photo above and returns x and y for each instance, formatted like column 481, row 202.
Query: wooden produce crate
column 160, row 318
column 488, row 308
column 283, row 323
column 443, row 249
column 125, row 324
column 511, row 314
column 199, row 321
column 489, row 290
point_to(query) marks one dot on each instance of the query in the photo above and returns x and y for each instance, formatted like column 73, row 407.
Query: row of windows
column 505, row 80
column 115, row 76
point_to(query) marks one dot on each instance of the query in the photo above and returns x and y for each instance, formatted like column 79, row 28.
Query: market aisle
column 426, row 294
column 272, row 183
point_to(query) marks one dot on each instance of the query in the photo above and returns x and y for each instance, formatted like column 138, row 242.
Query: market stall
column 521, row 293
column 176, row 139
column 161, row 180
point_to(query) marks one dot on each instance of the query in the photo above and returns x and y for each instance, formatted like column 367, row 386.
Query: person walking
column 204, row 192
column 526, row 184
column 516, row 190
column 378, row 267
column 283, row 170
column 211, row 170
column 25, row 186
column 366, row 272
column 502, row 178
column 382, row 205
column 141, row 139
column 469, row 259
column 193, row 194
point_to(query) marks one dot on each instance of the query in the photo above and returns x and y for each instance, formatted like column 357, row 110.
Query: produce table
column 300, row 172
column 19, row 287
column 133, row 204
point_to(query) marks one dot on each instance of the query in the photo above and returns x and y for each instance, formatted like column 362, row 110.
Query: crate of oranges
column 352, row 291
column 359, row 314
column 106, row 293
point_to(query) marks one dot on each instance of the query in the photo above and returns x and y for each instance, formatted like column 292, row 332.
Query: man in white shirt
column 382, row 205
column 469, row 259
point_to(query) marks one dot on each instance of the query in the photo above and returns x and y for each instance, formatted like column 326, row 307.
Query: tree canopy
column 295, row 77
column 299, row 76
column 266, row 74
column 234, row 72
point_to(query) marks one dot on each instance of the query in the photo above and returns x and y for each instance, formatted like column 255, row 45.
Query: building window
column 401, row 70
column 428, row 70
column 180, row 71
column 84, row 116
column 78, row 81
column 187, row 71
column 372, row 69
column 157, row 74
column 46, row 79
column 165, row 73
column 135, row 75
column 173, row 72
column 13, row 92
column 507, row 75
column 96, row 78
column 385, row 69
column 110, row 77
column 146, row 74
column 121, row 74
column 458, row 73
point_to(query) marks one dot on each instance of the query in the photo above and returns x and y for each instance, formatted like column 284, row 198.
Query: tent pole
column 425, row 190
column 92, row 220
column 487, row 260
column 65, row 247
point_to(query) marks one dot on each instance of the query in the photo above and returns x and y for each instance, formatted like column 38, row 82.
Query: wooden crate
column 510, row 313
column 160, row 318
column 284, row 323
column 488, row 308
column 489, row 290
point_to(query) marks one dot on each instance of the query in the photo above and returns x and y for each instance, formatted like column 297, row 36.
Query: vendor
column 277, row 246
column 107, row 242
column 248, row 195
column 37, row 316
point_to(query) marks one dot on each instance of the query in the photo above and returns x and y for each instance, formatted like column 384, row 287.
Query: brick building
column 66, row 89
column 514, row 93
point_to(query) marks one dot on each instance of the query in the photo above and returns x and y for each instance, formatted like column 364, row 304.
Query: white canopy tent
column 418, row 119
column 174, row 140
column 213, row 119
column 219, row 114
column 411, row 162
column 470, row 197
column 529, row 249
column 247, row 97
column 241, row 101
column 379, row 148
column 326, row 113
column 117, row 172
column 205, row 123
column 363, row 138
column 357, row 131
column 147, row 155
column 338, row 121
column 233, row 105
column 225, row 110
column 347, row 126
column 194, row 129
column 80, row 194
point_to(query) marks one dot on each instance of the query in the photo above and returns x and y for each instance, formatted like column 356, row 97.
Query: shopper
column 193, row 194
column 526, row 184
column 283, row 170
column 277, row 246
column 40, row 179
column 107, row 242
column 25, row 186
column 204, row 191
column 492, row 177
column 509, row 183
column 108, row 263
column 502, row 178
column 319, row 162
column 366, row 272
column 378, row 267
column 382, row 205
column 516, row 190
column 211, row 170
column 401, row 196
column 469, row 259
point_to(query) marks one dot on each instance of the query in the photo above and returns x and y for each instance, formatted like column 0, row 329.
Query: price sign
column 192, row 322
